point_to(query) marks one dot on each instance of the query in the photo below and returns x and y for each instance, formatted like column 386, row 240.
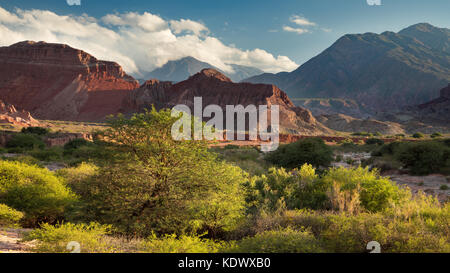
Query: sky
column 271, row 35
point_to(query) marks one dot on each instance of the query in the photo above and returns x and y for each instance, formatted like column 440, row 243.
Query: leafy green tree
column 425, row 157
column 21, row 142
column 35, row 130
column 160, row 184
column 374, row 141
column 313, row 151
column 436, row 135
column 418, row 135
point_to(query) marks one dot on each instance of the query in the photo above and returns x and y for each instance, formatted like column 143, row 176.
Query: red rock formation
column 10, row 115
column 56, row 81
column 215, row 88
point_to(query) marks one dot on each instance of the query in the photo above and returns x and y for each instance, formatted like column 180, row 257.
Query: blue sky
column 262, row 24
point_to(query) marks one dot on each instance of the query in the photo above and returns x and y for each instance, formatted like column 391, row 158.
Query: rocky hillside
column 56, row 81
column 182, row 69
column 437, row 109
column 343, row 123
column 380, row 71
column 216, row 88
column 332, row 106
column 10, row 115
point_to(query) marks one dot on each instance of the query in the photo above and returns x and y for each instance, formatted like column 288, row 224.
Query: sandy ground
column 429, row 184
column 10, row 241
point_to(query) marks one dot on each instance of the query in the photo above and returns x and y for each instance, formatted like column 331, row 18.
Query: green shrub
column 366, row 134
column 35, row 130
column 280, row 189
column 348, row 186
column 35, row 191
column 436, row 135
column 313, row 151
column 100, row 153
column 182, row 244
column 374, row 141
column 391, row 148
column 425, row 157
column 443, row 187
column 418, row 135
column 279, row 241
column 9, row 217
column 54, row 239
column 76, row 175
column 231, row 147
column 51, row 154
column 27, row 159
column 77, row 143
column 25, row 142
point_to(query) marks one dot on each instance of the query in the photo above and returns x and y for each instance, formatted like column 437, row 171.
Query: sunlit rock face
column 56, row 81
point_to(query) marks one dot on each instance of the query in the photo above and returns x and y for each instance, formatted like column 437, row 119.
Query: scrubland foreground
column 134, row 189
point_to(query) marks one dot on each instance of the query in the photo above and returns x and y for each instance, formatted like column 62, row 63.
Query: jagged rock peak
column 211, row 73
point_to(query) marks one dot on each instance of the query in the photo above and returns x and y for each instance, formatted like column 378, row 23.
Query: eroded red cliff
column 215, row 88
column 56, row 81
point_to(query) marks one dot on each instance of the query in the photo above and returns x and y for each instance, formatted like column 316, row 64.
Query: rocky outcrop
column 345, row 123
column 438, row 109
column 56, row 81
column 216, row 88
column 10, row 115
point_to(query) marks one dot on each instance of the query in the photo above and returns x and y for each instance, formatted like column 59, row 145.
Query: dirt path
column 10, row 241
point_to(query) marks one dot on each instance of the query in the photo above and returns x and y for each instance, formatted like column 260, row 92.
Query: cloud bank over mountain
column 140, row 42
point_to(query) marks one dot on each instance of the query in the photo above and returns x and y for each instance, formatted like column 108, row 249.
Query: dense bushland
column 135, row 189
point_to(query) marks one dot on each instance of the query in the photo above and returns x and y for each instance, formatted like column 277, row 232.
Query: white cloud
column 301, row 21
column 305, row 25
column 296, row 30
column 140, row 42
column 74, row 2
column 187, row 25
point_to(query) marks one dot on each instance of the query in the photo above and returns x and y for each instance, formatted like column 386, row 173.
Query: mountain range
column 58, row 82
column 390, row 82
column 180, row 70
column 380, row 71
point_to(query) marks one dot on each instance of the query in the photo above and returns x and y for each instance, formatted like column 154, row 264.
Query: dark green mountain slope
column 380, row 71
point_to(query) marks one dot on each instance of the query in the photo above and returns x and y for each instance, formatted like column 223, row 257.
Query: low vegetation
column 9, row 217
column 142, row 191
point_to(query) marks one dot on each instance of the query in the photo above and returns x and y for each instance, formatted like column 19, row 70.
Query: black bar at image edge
column 225, row 262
